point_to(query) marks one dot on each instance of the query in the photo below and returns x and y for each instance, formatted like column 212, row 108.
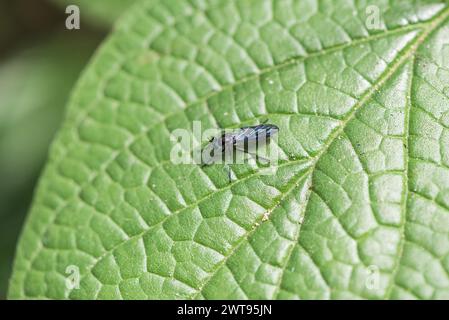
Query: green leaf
column 359, row 207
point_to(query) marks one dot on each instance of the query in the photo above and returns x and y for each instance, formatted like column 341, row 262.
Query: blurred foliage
column 22, row 21
column 39, row 63
column 98, row 12
column 34, row 87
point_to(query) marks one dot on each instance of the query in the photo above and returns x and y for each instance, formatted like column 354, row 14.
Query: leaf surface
column 358, row 208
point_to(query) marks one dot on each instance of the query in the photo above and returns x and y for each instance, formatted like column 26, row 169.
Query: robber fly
column 245, row 139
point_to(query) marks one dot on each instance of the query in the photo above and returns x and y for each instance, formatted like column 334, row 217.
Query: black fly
column 245, row 139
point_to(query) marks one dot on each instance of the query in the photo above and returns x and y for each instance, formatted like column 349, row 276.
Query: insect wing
column 248, row 137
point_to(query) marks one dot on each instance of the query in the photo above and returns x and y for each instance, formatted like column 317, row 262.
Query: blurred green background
column 40, row 61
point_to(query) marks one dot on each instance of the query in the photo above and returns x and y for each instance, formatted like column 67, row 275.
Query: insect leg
column 228, row 170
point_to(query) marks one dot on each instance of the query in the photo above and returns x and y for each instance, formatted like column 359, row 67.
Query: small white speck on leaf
column 265, row 216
